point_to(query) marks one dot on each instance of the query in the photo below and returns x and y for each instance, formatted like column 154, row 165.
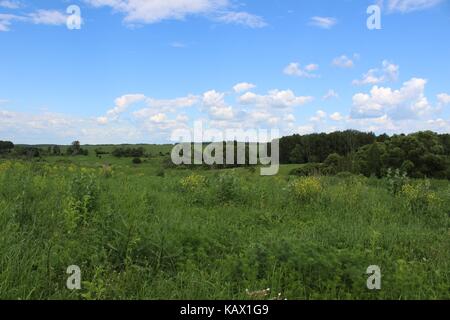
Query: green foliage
column 305, row 189
column 6, row 146
column 227, row 188
column 136, row 236
column 419, row 199
column 129, row 152
column 396, row 179
column 310, row 169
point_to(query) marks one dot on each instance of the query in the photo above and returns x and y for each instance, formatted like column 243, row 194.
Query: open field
column 148, row 232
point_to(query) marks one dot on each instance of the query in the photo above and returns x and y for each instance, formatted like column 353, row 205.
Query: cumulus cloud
column 155, row 107
column 148, row 12
column 243, row 86
column 276, row 99
column 294, row 69
column 343, row 62
column 319, row 116
column 336, row 116
column 443, row 99
column 387, row 72
column 214, row 103
column 123, row 102
column 408, row 102
column 323, row 22
column 331, row 94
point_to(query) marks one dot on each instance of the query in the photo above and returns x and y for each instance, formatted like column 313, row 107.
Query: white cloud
column 311, row 67
column 48, row 17
column 289, row 118
column 163, row 106
column 123, row 102
column 323, row 22
column 243, row 86
column 294, row 69
column 172, row 104
column 330, row 95
column 7, row 19
column 409, row 102
column 443, row 99
column 148, row 12
column 214, row 103
column 243, row 18
column 9, row 4
column 387, row 72
column 275, row 99
column 44, row 17
column 405, row 6
column 159, row 118
column 306, row 129
column 343, row 62
column 144, row 11
column 320, row 115
column 336, row 116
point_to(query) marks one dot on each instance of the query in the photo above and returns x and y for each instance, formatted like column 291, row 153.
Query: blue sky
column 139, row 69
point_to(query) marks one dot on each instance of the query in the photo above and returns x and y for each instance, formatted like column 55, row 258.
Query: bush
column 419, row 198
column 195, row 186
column 227, row 187
column 128, row 152
column 137, row 161
column 396, row 180
column 305, row 189
column 106, row 171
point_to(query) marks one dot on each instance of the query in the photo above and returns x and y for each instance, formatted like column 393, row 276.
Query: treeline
column 129, row 152
column 315, row 148
column 242, row 154
column 420, row 155
column 6, row 146
column 23, row 151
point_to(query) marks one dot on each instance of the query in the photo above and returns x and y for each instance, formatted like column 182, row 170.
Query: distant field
column 147, row 232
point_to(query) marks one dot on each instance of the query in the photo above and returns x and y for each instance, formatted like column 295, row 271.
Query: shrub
column 228, row 187
column 396, row 180
column 305, row 189
column 195, row 186
column 106, row 171
column 128, row 152
column 137, row 161
column 84, row 190
column 419, row 199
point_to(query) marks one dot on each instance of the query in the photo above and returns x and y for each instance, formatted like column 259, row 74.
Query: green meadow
column 147, row 231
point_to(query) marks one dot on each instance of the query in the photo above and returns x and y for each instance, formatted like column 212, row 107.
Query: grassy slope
column 139, row 235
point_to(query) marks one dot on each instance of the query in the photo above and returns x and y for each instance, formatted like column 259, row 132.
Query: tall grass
column 139, row 235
